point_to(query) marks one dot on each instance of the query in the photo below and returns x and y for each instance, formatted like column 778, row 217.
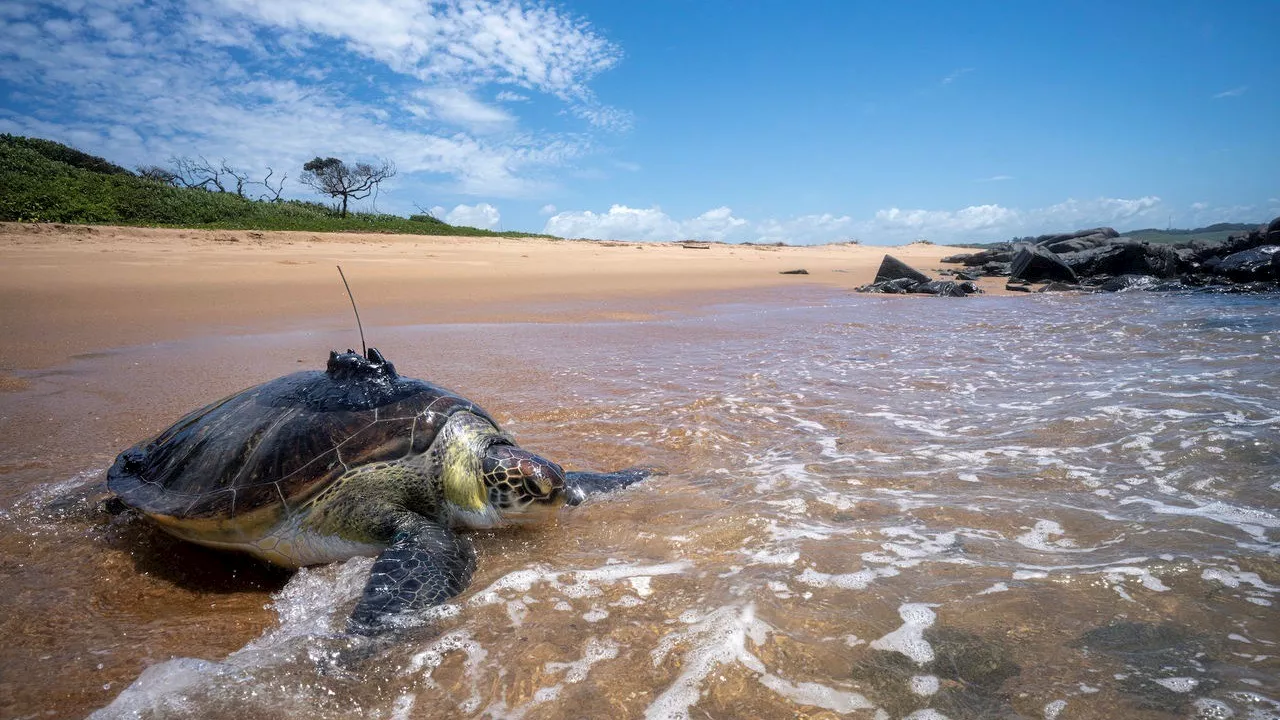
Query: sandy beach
column 67, row 290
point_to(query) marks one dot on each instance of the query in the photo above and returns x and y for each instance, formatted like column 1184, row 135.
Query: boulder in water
column 1129, row 282
column 1260, row 263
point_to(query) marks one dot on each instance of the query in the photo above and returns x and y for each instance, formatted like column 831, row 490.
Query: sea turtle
column 316, row 467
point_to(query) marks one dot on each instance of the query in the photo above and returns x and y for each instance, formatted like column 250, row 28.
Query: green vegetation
column 45, row 181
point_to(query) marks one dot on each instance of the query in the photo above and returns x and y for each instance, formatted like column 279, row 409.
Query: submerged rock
column 801, row 271
column 1166, row 665
column 969, row 672
column 1129, row 282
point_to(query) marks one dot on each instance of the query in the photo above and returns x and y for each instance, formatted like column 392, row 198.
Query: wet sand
column 66, row 290
column 1037, row 487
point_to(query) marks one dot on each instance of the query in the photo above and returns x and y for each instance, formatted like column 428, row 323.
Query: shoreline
column 66, row 290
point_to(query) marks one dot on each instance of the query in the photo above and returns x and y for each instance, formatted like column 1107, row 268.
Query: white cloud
column 1203, row 213
column 458, row 107
column 242, row 79
column 996, row 178
column 508, row 96
column 888, row 226
column 718, row 225
column 1233, row 92
column 620, row 223
column 530, row 46
column 480, row 215
column 547, row 209
column 806, row 229
column 995, row 222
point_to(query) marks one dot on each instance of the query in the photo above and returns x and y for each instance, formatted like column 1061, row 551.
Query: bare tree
column 241, row 177
column 155, row 173
column 196, row 173
column 335, row 178
column 200, row 173
column 273, row 193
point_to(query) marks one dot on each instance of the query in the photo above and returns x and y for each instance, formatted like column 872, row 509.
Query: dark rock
column 996, row 269
column 891, row 268
column 1125, row 258
column 801, row 271
column 1105, row 232
column 941, row 288
column 1000, row 253
column 1259, row 263
column 1129, row 282
column 1077, row 241
column 1063, row 287
column 1037, row 263
column 1017, row 287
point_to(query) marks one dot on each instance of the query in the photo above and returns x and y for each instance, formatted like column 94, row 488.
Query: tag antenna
column 364, row 350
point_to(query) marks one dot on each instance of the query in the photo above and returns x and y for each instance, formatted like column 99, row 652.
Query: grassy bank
column 45, row 181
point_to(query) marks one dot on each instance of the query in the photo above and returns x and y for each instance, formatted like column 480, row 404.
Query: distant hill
column 1213, row 233
column 46, row 181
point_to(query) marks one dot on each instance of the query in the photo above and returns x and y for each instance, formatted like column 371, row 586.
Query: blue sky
column 738, row 121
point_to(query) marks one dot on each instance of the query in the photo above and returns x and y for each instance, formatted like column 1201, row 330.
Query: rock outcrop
column 1102, row 259
column 896, row 278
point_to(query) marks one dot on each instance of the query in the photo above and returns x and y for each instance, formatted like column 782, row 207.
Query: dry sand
column 67, row 290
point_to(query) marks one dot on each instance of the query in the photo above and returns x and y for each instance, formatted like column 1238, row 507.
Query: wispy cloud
column 956, row 75
column 996, row 178
column 1233, row 92
column 275, row 82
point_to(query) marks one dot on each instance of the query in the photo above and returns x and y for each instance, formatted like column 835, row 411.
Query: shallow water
column 1051, row 506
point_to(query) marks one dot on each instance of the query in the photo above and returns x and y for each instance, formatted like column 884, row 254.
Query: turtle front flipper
column 425, row 565
column 580, row 485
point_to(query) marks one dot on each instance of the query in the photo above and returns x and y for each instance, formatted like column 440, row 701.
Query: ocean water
column 1031, row 507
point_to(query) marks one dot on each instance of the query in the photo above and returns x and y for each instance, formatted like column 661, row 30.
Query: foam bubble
column 1053, row 709
column 720, row 639
column 908, row 639
column 595, row 651
column 1179, row 684
column 925, row 685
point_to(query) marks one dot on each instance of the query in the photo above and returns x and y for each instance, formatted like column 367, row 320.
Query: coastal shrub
column 64, row 154
column 44, row 181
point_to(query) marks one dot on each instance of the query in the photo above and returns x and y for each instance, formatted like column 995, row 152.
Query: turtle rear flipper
column 580, row 485
column 425, row 565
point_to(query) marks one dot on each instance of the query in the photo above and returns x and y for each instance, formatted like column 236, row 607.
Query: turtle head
column 489, row 481
column 522, row 487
